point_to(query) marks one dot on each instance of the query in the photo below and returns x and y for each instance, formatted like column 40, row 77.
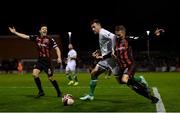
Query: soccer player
column 44, row 44
column 126, row 62
column 19, row 67
column 106, row 43
column 71, row 66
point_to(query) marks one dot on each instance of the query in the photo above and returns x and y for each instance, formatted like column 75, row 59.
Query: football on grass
column 68, row 100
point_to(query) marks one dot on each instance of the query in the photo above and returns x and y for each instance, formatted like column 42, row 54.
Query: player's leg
column 56, row 86
column 94, row 76
column 99, row 69
column 72, row 68
column 75, row 77
column 74, row 72
column 142, row 90
column 90, row 68
column 68, row 75
column 48, row 70
column 38, row 81
column 113, row 67
column 141, row 80
column 136, row 86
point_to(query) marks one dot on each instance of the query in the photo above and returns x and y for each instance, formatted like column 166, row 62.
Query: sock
column 137, row 78
column 38, row 84
column 69, row 77
column 54, row 83
column 138, row 88
column 93, row 84
column 141, row 80
column 75, row 78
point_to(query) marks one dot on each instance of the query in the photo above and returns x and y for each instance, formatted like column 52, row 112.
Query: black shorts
column 129, row 70
column 44, row 64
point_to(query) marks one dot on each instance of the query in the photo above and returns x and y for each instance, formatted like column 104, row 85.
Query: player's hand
column 59, row 60
column 12, row 29
column 113, row 54
column 94, row 54
column 99, row 57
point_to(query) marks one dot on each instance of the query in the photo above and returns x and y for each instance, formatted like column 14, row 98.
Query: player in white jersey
column 107, row 44
column 71, row 66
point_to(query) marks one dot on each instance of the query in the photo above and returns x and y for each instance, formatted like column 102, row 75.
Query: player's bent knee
column 93, row 72
column 36, row 73
column 51, row 78
column 119, row 80
column 125, row 79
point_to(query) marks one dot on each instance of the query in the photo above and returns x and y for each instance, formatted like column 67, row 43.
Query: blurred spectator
column 20, row 67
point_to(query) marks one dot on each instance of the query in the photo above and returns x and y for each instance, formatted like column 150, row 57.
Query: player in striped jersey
column 124, row 56
column 44, row 44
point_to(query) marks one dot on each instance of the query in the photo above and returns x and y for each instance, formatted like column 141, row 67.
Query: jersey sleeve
column 53, row 43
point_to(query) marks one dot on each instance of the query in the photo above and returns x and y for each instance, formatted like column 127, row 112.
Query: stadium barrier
column 27, row 64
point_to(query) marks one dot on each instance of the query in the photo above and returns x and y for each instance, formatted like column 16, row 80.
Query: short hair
column 43, row 25
column 95, row 21
column 120, row 28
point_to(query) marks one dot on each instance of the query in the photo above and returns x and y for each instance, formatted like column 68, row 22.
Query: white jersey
column 71, row 62
column 106, row 41
column 72, row 55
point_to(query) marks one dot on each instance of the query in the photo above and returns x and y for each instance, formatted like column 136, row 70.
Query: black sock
column 54, row 83
column 138, row 88
column 38, row 84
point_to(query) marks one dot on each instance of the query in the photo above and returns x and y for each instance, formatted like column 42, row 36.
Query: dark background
column 74, row 15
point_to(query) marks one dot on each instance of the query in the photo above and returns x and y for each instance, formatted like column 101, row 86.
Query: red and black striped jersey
column 124, row 53
column 44, row 45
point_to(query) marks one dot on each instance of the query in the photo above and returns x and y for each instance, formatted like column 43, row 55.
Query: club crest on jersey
column 46, row 41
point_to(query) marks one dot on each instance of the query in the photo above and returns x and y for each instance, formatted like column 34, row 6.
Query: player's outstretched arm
column 58, row 52
column 13, row 30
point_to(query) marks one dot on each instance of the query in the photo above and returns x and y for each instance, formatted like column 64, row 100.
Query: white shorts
column 71, row 66
column 109, row 63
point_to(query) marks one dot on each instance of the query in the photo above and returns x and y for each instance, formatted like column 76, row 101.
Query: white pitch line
column 159, row 106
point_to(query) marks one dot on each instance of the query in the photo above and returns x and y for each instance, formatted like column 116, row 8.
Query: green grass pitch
column 17, row 94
